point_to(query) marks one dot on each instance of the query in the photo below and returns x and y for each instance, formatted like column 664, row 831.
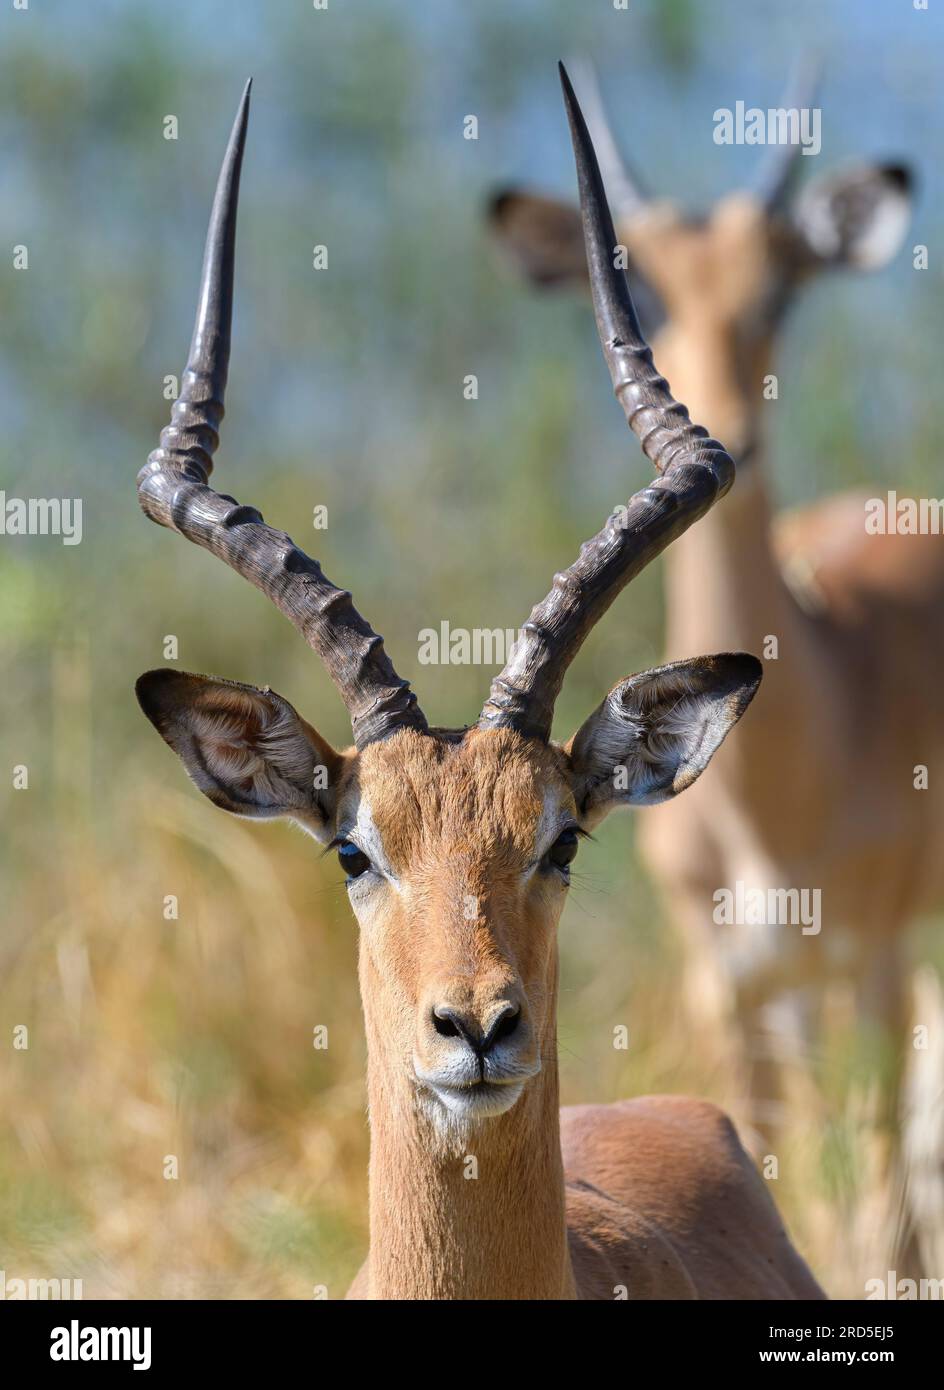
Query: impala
column 818, row 792
column 457, row 844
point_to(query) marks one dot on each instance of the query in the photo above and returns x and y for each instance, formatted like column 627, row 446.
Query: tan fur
column 660, row 1199
column 710, row 278
column 458, row 822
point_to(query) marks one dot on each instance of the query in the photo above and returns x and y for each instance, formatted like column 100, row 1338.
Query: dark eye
column 353, row 861
column 562, row 851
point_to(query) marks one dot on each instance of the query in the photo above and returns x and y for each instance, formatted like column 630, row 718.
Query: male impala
column 457, row 845
column 818, row 790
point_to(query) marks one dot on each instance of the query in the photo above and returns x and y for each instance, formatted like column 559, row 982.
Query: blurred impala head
column 713, row 289
column 456, row 844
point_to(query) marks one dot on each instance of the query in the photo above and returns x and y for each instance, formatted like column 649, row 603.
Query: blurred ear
column 543, row 237
column 655, row 733
column 857, row 217
column 246, row 749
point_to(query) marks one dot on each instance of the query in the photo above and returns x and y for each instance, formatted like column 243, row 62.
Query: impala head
column 718, row 284
column 456, row 844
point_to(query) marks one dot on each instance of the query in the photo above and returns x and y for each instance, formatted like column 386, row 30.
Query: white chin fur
column 474, row 1102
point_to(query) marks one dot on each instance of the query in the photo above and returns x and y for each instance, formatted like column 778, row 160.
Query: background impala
column 191, row 1035
column 824, row 790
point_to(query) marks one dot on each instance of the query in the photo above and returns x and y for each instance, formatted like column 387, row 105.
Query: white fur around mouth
column 477, row 1102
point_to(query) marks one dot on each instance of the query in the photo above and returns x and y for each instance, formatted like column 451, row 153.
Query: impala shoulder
column 664, row 1155
column 681, row 1118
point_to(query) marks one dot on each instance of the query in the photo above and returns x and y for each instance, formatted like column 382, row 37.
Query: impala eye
column 562, row 851
column 353, row 861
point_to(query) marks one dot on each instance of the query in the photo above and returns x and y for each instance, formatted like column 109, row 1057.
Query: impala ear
column 543, row 239
column 246, row 749
column 655, row 733
column 542, row 236
column 857, row 217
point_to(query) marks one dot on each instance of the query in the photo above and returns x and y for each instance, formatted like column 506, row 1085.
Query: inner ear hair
column 246, row 748
column 660, row 729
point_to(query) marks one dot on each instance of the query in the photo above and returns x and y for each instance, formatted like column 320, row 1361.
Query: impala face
column 712, row 290
column 456, row 849
column 458, row 858
column 456, row 846
column 723, row 283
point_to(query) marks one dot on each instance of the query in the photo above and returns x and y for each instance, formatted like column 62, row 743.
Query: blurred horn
column 625, row 190
column 779, row 169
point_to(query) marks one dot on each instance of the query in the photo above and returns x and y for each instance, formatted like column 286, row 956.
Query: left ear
column 857, row 217
column 655, row 733
column 542, row 236
column 246, row 749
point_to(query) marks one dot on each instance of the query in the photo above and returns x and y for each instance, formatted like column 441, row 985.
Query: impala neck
column 724, row 585
column 473, row 1217
column 725, row 591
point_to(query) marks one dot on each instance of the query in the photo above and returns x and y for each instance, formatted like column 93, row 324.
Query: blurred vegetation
column 193, row 1037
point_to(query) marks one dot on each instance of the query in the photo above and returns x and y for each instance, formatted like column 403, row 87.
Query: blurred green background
column 193, row 1037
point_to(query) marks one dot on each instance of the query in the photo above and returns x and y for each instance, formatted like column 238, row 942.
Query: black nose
column 451, row 1023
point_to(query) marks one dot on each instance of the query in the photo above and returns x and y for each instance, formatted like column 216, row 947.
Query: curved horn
column 779, row 169
column 627, row 193
column 695, row 471
column 173, row 491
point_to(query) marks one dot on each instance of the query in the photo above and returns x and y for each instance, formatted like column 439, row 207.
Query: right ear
column 655, row 733
column 856, row 217
column 246, row 749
